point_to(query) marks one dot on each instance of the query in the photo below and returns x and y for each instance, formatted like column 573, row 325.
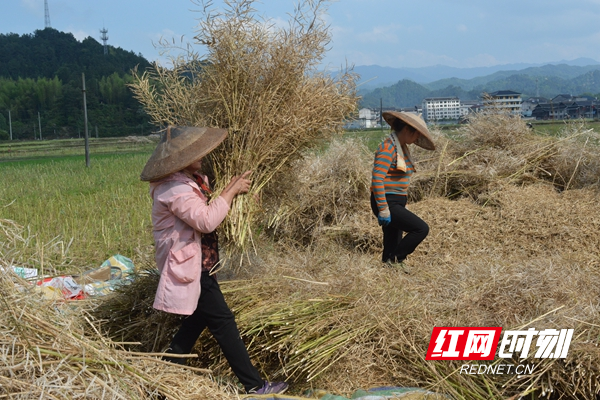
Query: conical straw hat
column 180, row 147
column 424, row 140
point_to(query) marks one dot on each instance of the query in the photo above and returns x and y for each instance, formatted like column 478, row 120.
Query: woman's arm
column 381, row 167
column 187, row 205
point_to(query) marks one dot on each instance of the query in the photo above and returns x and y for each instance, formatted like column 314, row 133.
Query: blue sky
column 392, row 33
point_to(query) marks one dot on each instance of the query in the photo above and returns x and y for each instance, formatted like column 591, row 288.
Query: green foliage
column 42, row 73
column 113, row 89
column 405, row 93
column 47, row 53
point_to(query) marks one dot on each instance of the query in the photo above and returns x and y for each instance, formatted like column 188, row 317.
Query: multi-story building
column 441, row 109
column 503, row 100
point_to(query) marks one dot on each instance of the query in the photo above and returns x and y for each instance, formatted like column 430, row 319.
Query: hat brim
column 424, row 140
column 180, row 147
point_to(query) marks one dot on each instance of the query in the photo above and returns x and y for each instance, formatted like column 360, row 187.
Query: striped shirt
column 386, row 178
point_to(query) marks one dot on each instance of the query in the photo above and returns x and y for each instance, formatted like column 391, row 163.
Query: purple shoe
column 272, row 387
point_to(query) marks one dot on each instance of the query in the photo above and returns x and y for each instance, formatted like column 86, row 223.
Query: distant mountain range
column 374, row 76
column 407, row 87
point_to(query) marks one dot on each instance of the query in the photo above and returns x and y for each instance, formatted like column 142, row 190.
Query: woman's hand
column 238, row 185
column 384, row 218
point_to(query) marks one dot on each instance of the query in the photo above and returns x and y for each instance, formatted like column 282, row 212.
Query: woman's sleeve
column 381, row 166
column 194, row 210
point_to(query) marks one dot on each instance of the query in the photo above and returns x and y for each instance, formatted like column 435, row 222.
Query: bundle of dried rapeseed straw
column 262, row 83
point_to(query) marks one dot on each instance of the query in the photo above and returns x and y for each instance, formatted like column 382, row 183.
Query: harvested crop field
column 513, row 243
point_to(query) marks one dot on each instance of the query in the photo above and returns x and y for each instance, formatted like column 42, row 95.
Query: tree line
column 41, row 87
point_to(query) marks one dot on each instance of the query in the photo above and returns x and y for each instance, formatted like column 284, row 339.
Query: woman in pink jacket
column 184, row 224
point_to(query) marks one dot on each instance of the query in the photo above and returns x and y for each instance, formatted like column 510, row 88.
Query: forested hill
column 41, row 87
column 48, row 53
column 541, row 81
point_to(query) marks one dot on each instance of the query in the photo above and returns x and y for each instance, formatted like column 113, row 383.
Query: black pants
column 213, row 313
column 395, row 246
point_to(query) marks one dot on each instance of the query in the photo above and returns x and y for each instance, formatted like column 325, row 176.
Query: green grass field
column 78, row 216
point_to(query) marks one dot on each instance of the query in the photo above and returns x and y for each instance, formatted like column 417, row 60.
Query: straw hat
column 180, row 147
column 424, row 140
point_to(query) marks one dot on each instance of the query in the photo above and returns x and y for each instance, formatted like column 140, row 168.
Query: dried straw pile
column 513, row 248
column 324, row 195
column 496, row 148
column 514, row 242
column 52, row 350
column 259, row 81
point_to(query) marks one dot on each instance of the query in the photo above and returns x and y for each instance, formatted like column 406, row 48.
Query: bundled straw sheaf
column 129, row 317
column 259, row 81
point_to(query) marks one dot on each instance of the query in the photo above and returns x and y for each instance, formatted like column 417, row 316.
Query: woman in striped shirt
column 390, row 180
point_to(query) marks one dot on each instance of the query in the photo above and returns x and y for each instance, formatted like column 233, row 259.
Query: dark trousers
column 395, row 246
column 213, row 313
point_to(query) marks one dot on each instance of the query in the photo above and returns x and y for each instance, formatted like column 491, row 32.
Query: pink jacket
column 180, row 214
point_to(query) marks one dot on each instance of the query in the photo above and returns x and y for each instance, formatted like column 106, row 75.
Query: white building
column 504, row 100
column 368, row 118
column 441, row 108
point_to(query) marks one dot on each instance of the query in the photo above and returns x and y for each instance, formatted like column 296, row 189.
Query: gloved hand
column 384, row 218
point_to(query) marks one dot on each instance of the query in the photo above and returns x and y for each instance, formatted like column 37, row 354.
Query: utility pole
column 40, row 125
column 85, row 121
column 10, row 124
column 47, row 14
column 381, row 113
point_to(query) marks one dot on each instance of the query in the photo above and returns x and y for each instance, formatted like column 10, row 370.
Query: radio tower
column 47, row 13
column 104, row 38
